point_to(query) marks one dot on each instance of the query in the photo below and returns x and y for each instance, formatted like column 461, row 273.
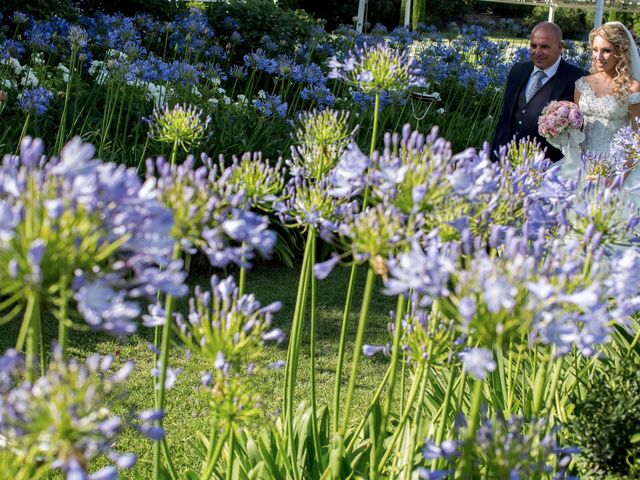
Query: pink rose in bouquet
column 557, row 117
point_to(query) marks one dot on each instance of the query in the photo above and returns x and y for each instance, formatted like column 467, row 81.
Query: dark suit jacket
column 558, row 87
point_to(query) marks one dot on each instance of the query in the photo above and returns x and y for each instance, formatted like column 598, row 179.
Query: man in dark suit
column 532, row 85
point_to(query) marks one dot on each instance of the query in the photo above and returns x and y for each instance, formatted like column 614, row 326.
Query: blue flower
column 271, row 106
column 35, row 100
column 478, row 362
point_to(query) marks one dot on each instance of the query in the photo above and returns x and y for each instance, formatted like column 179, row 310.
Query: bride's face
column 603, row 55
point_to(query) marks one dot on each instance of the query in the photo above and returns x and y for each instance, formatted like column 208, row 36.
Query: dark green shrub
column 606, row 420
column 257, row 18
column 40, row 8
column 69, row 9
column 165, row 9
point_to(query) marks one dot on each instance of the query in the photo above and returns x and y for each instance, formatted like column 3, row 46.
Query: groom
column 532, row 85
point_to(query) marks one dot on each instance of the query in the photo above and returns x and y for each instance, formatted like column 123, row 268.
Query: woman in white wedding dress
column 609, row 98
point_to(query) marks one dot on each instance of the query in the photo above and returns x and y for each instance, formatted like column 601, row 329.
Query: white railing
column 612, row 5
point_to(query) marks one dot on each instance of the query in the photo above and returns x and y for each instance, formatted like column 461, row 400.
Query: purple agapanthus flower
column 35, row 100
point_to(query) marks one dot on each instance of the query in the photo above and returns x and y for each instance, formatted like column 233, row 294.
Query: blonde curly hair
column 615, row 34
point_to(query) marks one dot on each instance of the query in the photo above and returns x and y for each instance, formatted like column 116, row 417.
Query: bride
column 609, row 98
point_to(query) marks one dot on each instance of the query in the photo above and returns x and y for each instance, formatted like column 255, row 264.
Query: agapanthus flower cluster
column 377, row 68
column 271, row 106
column 411, row 172
column 211, row 214
column 603, row 214
column 260, row 181
column 501, row 448
column 185, row 126
column 77, row 228
column 320, row 140
column 35, row 100
column 551, row 294
column 65, row 418
column 228, row 330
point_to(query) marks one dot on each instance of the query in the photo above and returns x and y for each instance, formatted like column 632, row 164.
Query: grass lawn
column 187, row 410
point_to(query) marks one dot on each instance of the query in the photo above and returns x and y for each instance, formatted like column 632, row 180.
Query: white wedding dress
column 603, row 117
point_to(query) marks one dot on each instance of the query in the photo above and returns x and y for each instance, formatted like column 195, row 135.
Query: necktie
column 536, row 84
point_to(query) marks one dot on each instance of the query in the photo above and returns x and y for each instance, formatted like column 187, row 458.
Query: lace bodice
column 603, row 117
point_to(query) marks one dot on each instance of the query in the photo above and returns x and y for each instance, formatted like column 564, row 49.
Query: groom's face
column 544, row 47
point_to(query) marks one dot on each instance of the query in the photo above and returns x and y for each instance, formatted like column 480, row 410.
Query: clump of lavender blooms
column 210, row 213
column 182, row 125
column 320, row 140
column 65, row 418
column 228, row 330
column 260, row 181
column 376, row 68
column 501, row 448
column 75, row 229
column 35, row 100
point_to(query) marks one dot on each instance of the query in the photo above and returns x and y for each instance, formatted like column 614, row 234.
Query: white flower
column 441, row 111
column 94, row 66
column 478, row 362
column 29, row 79
column 37, row 58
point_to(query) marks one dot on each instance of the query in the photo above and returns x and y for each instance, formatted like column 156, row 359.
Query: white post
column 360, row 20
column 552, row 12
column 599, row 12
column 407, row 13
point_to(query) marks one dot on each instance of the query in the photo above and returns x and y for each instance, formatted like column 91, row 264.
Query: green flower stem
column 632, row 346
column 374, row 400
column 32, row 322
column 357, row 348
column 538, row 387
column 173, row 473
column 295, row 340
column 473, row 420
column 445, row 408
column 174, row 152
column 164, row 355
column 144, row 151
column 409, row 451
column 232, row 445
column 213, row 454
column 63, row 119
column 551, row 393
column 312, row 353
column 63, row 329
column 352, row 281
column 503, row 393
column 342, row 347
column 417, row 381
column 395, row 355
column 242, row 282
column 23, row 133
column 403, row 379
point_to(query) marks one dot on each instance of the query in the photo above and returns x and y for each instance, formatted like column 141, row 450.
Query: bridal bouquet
column 560, row 123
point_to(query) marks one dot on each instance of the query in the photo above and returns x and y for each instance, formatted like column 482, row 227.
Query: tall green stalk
column 352, row 280
column 60, row 138
column 164, row 356
column 312, row 354
column 295, row 340
column 357, row 348
column 33, row 323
